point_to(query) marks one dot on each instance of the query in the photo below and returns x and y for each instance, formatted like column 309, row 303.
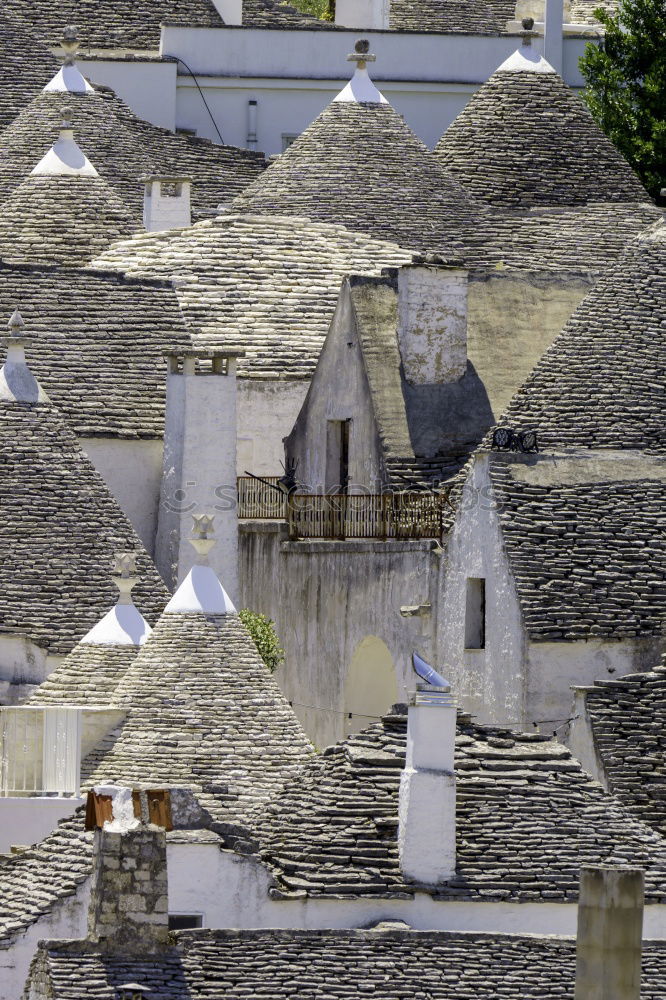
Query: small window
column 475, row 614
column 185, row 921
column 287, row 139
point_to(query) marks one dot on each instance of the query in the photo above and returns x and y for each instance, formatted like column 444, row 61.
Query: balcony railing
column 383, row 516
column 258, row 500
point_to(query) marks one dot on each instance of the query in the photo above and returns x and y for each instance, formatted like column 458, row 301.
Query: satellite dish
column 428, row 673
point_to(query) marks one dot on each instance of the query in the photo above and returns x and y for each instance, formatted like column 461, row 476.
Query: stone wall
column 326, row 599
column 129, row 894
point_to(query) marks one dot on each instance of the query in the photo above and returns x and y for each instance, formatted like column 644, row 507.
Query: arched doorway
column 371, row 687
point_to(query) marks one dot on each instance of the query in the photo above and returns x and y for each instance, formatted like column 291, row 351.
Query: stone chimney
column 432, row 322
column 367, row 14
column 610, row 932
column 166, row 203
column 231, row 11
column 199, row 469
column 427, row 815
column 129, row 910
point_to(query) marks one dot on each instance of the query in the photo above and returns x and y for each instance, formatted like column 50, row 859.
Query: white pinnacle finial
column 201, row 590
column 124, row 624
column 17, row 383
column 124, row 575
column 16, row 324
column 69, row 78
column 203, row 536
column 361, row 89
column 65, row 157
column 362, row 54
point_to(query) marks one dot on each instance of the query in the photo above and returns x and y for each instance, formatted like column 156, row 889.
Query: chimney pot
column 166, row 202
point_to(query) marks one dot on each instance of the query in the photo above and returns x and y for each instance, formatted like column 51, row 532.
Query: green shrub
column 262, row 630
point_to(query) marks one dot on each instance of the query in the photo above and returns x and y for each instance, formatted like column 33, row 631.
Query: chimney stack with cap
column 432, row 321
column 427, row 813
column 129, row 911
column 166, row 203
column 372, row 15
column 199, row 471
column 610, row 932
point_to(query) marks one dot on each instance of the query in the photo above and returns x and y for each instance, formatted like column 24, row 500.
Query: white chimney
column 372, row 14
column 166, row 203
column 199, row 470
column 427, row 815
column 432, row 323
column 552, row 34
column 231, row 11
column 610, row 933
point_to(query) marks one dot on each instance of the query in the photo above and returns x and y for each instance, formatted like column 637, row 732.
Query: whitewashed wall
column 132, row 470
column 28, row 820
column 293, row 75
column 266, row 413
column 325, row 599
column 488, row 682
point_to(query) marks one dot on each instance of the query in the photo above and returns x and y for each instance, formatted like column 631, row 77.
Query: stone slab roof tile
column 88, row 676
column 392, row 963
column 204, row 713
column 123, row 148
column 25, row 66
column 526, row 139
column 36, row 880
column 587, row 238
column 628, row 719
column 602, row 382
column 528, row 817
column 61, row 220
column 98, row 345
column 588, row 558
column 360, row 165
column 266, row 285
column 59, row 530
column 112, row 24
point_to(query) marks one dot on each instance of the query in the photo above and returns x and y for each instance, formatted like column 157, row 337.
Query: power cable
column 191, row 72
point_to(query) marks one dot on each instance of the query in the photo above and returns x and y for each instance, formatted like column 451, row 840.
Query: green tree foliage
column 626, row 85
column 325, row 9
column 262, row 630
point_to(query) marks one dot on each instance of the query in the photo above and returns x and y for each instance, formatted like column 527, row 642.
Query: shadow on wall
column 371, row 687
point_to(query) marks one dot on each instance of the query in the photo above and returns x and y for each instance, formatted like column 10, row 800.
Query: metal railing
column 256, row 499
column 383, row 515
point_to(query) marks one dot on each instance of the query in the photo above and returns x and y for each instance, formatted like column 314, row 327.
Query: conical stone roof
column 66, row 219
column 93, row 670
column 25, row 64
column 360, row 165
column 204, row 713
column 267, row 285
column 59, row 524
column 124, row 149
column 525, row 139
column 601, row 384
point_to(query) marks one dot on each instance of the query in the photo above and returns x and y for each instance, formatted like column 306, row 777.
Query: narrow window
column 337, row 456
column 475, row 613
column 185, row 921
